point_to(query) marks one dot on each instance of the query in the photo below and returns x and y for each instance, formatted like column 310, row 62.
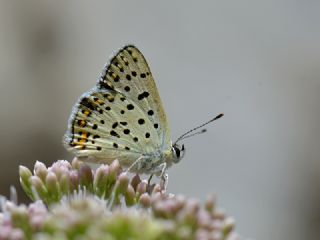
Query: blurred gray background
column 256, row 61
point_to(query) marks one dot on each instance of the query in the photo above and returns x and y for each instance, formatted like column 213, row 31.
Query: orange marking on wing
column 82, row 123
column 86, row 112
column 82, row 139
column 99, row 101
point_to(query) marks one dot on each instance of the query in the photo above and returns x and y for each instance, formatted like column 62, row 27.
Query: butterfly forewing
column 128, row 73
column 122, row 117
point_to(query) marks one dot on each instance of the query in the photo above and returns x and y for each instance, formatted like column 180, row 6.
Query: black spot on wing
column 87, row 103
column 143, row 95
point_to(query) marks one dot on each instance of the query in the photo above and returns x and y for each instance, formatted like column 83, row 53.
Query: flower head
column 76, row 202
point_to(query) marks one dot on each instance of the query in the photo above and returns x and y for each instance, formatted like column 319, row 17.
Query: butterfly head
column 177, row 152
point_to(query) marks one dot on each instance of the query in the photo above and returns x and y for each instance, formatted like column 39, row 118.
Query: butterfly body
column 122, row 118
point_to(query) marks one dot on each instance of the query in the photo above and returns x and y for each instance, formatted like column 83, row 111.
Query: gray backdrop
column 256, row 61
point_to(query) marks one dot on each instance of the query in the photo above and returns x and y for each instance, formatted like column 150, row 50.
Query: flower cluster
column 72, row 201
column 108, row 182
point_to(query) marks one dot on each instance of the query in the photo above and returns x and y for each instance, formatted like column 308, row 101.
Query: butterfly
column 122, row 117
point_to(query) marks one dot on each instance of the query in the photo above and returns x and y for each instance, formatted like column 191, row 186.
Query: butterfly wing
column 128, row 73
column 122, row 117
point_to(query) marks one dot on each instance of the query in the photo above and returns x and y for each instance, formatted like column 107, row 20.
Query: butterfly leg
column 134, row 164
column 164, row 176
column 149, row 180
column 161, row 170
column 165, row 180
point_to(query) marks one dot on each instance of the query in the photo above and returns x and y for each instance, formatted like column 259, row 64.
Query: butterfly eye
column 178, row 152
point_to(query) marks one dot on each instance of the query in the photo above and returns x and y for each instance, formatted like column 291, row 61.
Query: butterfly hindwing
column 90, row 130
